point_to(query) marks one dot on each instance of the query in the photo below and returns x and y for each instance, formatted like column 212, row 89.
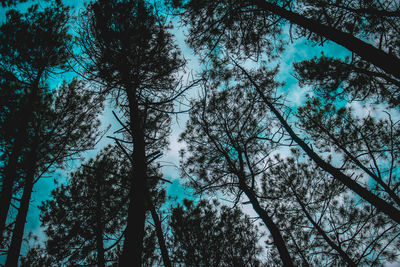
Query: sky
column 297, row 51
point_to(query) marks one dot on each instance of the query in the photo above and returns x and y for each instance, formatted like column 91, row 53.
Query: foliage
column 208, row 234
column 91, row 206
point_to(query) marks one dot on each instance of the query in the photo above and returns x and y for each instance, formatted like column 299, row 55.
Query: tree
column 222, row 136
column 227, row 24
column 231, row 137
column 130, row 52
column 324, row 223
column 63, row 127
column 365, row 144
column 349, row 80
column 50, row 127
column 375, row 200
column 38, row 256
column 214, row 24
column 206, row 234
column 85, row 220
column 27, row 57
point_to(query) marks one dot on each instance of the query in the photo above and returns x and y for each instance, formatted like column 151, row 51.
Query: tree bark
column 374, row 200
column 10, row 174
column 133, row 243
column 389, row 63
column 160, row 236
column 18, row 233
column 99, row 223
column 269, row 223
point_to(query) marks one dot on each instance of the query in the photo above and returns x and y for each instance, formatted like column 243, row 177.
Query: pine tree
column 129, row 51
column 241, row 26
column 208, row 234
column 27, row 57
column 52, row 125
column 85, row 219
column 222, row 136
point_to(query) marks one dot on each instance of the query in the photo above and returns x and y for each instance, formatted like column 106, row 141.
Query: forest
column 284, row 116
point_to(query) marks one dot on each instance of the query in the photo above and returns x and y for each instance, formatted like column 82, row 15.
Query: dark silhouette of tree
column 10, row 154
column 350, row 80
column 64, row 125
column 85, row 220
column 208, row 234
column 222, row 136
column 129, row 51
column 215, row 24
column 27, row 56
column 328, row 225
column 38, row 256
column 381, row 204
column 50, row 126
column 378, row 20
column 367, row 144
column 242, row 25
column 231, row 136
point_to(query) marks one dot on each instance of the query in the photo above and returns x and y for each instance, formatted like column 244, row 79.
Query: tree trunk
column 160, row 236
column 389, row 63
column 269, row 223
column 99, row 223
column 18, row 233
column 374, row 200
column 133, row 243
column 10, row 174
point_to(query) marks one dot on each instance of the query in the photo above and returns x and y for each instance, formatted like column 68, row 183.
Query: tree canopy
column 281, row 119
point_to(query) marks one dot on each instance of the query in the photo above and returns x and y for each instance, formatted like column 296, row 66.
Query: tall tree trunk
column 374, row 200
column 160, row 236
column 99, row 223
column 10, row 174
column 389, row 63
column 269, row 223
column 18, row 233
column 133, row 243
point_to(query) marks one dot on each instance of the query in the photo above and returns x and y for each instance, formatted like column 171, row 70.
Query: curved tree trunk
column 374, row 200
column 389, row 63
column 269, row 223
